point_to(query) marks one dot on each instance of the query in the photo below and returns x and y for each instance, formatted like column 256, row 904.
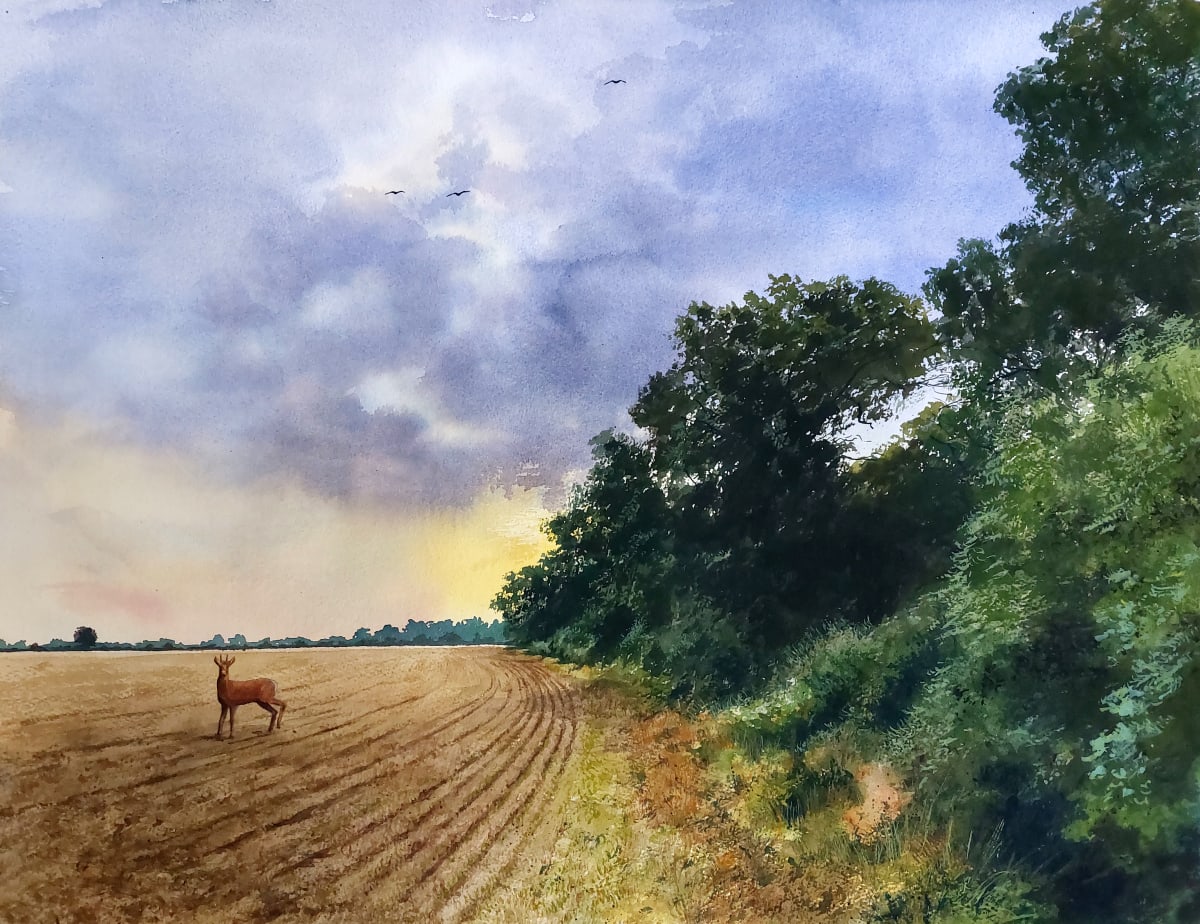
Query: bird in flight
column 461, row 192
column 607, row 82
column 394, row 192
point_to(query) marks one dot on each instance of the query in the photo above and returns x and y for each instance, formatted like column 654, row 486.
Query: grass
column 671, row 819
column 675, row 851
column 610, row 862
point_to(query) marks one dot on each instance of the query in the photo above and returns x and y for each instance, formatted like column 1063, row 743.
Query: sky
column 242, row 389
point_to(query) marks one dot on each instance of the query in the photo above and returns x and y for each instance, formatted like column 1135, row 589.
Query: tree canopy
column 737, row 524
column 1003, row 600
column 1110, row 125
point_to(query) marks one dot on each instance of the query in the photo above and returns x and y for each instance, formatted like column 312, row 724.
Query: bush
column 866, row 676
column 1064, row 703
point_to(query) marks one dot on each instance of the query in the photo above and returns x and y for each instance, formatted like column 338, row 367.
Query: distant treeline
column 473, row 631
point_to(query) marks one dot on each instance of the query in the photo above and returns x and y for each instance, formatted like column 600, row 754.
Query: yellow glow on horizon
column 468, row 555
column 146, row 544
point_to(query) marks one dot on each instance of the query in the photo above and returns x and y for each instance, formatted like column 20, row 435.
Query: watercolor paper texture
column 310, row 317
column 240, row 378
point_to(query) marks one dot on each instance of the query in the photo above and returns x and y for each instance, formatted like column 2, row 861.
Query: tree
column 748, row 434
column 904, row 507
column 1110, row 122
column 388, row 635
column 1111, row 130
column 703, row 551
column 1065, row 706
column 991, row 335
column 85, row 637
column 593, row 585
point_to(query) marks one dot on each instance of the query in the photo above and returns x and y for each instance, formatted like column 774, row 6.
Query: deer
column 234, row 693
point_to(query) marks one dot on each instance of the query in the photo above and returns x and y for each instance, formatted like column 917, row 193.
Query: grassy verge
column 609, row 861
column 651, row 831
column 669, row 819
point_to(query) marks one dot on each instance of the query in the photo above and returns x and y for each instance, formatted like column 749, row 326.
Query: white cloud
column 361, row 303
column 404, row 391
column 199, row 251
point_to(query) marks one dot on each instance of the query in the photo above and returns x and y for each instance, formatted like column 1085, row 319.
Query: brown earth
column 404, row 784
column 883, row 799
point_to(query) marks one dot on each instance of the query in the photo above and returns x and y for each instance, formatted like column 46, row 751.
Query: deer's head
column 223, row 665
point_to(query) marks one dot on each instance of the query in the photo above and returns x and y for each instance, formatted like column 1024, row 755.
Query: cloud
column 89, row 599
column 199, row 256
column 149, row 543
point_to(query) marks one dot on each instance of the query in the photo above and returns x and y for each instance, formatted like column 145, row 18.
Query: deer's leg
column 221, row 721
column 279, row 718
column 270, row 709
column 232, row 710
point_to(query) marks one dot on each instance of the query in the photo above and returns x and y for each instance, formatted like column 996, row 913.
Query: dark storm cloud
column 197, row 247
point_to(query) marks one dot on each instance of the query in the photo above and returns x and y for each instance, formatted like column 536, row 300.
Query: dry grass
column 883, row 799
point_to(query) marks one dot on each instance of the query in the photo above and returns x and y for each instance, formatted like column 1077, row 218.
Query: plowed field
column 404, row 785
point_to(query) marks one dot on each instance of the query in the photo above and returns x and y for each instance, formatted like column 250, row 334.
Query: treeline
column 1003, row 603
column 473, row 631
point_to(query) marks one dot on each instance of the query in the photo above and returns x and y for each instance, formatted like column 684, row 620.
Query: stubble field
column 404, row 785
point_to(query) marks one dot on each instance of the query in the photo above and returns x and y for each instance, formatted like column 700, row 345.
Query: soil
column 403, row 785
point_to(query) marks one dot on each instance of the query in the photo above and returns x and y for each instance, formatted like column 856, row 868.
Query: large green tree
column 1110, row 125
column 738, row 524
column 749, row 430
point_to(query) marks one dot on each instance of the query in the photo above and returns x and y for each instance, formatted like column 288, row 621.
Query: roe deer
column 234, row 693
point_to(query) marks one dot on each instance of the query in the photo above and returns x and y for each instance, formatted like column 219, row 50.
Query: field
column 404, row 784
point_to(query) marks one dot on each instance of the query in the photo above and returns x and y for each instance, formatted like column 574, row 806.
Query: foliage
column 1064, row 705
column 1003, row 602
column 842, row 674
column 747, row 431
column 592, row 585
column 1075, row 597
column 1048, row 689
column 737, row 525
column 1110, row 123
column 986, row 329
column 473, row 631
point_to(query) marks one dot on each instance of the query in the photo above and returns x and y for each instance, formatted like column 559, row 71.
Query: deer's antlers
column 223, row 660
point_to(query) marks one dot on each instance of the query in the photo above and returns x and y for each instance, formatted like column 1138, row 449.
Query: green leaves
column 807, row 359
column 747, row 435
column 1076, row 596
column 1110, row 117
column 1110, row 123
column 737, row 525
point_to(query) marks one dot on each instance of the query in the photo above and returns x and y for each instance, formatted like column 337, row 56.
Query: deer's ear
column 216, row 662
column 231, row 660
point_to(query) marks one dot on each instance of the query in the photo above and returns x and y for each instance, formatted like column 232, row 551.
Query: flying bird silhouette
column 393, row 192
column 461, row 192
column 607, row 82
